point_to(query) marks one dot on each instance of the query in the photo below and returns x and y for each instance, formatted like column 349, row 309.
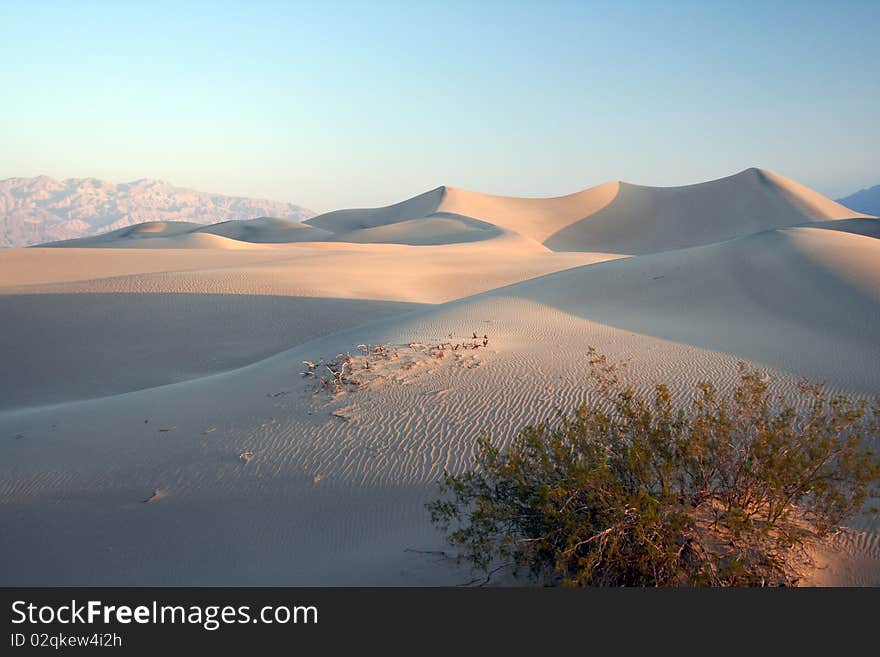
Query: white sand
column 335, row 490
column 619, row 217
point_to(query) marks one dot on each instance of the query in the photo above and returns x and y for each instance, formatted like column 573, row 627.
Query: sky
column 363, row 103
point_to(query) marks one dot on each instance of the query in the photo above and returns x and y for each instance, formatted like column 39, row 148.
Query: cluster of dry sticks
column 348, row 372
column 339, row 374
column 439, row 350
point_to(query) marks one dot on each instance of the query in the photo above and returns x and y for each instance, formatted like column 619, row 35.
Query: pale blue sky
column 361, row 103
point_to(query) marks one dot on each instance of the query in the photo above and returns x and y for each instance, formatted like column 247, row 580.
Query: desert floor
column 156, row 426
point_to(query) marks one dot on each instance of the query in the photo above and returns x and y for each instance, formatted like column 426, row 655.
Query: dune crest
column 614, row 217
column 620, row 217
column 346, row 221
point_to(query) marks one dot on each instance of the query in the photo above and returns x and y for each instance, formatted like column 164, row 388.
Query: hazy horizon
column 367, row 104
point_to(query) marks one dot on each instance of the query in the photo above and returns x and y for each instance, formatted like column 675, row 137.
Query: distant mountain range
column 864, row 200
column 42, row 209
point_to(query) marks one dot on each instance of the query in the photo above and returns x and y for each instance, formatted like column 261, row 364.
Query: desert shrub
column 728, row 490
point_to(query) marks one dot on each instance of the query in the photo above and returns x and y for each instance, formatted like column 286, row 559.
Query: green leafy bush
column 730, row 490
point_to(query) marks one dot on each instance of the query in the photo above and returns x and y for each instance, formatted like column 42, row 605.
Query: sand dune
column 621, row 217
column 615, row 217
column 438, row 228
column 144, row 370
column 266, row 230
column 346, row 221
column 650, row 219
column 181, row 234
column 119, row 320
column 774, row 298
column 388, row 272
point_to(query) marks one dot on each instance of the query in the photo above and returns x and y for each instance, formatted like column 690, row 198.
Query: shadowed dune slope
column 145, row 230
column 131, row 341
column 116, row 320
column 533, row 218
column 266, row 230
column 650, row 219
column 346, row 221
column 867, row 226
column 803, row 299
column 438, row 228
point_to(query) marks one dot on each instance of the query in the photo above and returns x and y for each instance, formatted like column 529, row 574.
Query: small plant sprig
column 440, row 349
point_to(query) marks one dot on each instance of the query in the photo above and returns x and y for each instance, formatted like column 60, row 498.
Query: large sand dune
column 614, row 217
column 145, row 373
column 650, row 219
